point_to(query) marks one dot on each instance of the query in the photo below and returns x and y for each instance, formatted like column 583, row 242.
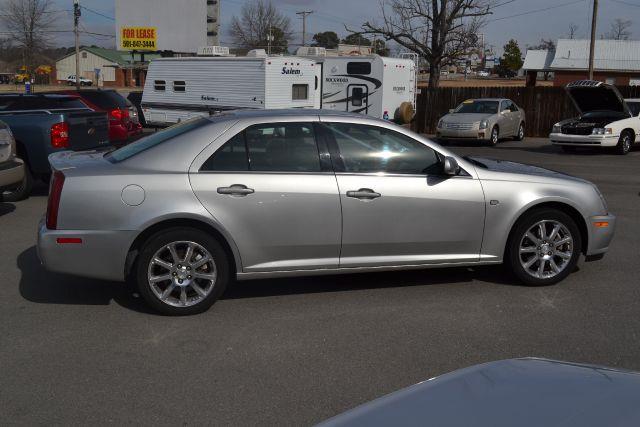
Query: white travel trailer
column 177, row 89
column 373, row 85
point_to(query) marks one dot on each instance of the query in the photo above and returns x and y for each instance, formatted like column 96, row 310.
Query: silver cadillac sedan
column 488, row 120
column 263, row 194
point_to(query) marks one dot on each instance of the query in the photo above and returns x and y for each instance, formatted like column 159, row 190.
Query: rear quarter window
column 105, row 99
column 156, row 139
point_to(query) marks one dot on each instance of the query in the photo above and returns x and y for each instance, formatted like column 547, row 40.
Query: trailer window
column 179, row 86
column 159, row 85
column 300, row 92
column 362, row 68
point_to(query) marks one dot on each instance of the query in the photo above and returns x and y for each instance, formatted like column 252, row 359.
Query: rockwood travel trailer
column 177, row 89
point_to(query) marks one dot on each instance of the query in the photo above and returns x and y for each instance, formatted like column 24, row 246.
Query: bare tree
column 27, row 22
column 259, row 20
column 441, row 31
column 573, row 29
column 619, row 30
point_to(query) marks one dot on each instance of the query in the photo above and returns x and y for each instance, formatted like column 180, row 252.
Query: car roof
column 632, row 99
column 37, row 95
column 490, row 99
column 284, row 113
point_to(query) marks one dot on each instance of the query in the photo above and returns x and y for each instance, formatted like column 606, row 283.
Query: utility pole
column 304, row 15
column 592, row 48
column 269, row 39
column 76, row 19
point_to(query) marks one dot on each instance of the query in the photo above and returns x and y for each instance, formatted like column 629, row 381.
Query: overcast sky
column 527, row 29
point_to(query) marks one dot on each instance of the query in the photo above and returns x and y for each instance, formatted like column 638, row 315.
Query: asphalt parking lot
column 297, row 351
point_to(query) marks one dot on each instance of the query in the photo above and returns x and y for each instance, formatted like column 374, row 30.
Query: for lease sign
column 138, row 38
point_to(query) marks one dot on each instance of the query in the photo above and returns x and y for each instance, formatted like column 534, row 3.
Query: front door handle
column 364, row 194
column 236, row 190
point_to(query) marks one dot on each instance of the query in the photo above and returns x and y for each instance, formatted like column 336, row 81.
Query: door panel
column 288, row 222
column 415, row 220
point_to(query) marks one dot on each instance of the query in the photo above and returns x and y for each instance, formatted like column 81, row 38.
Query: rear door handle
column 364, row 194
column 236, row 190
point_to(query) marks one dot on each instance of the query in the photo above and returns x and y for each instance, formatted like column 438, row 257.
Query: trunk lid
column 71, row 160
column 87, row 130
column 589, row 96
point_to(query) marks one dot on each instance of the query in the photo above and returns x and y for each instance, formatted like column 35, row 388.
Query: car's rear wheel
column 544, row 247
column 22, row 191
column 624, row 143
column 520, row 134
column 495, row 136
column 182, row 271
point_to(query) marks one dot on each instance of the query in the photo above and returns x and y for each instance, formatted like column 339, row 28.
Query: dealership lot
column 296, row 351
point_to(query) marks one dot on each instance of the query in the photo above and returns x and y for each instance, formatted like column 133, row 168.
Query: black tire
column 181, row 234
column 520, row 135
column 22, row 192
column 568, row 149
column 524, row 224
column 624, row 143
column 494, row 138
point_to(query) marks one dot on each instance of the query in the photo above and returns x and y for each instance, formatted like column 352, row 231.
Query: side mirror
column 451, row 166
column 451, row 111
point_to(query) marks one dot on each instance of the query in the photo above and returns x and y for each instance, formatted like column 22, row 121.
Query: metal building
column 179, row 26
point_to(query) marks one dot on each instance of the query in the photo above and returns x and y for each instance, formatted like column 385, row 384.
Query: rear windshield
column 155, row 139
column 26, row 103
column 104, row 99
column 481, row 107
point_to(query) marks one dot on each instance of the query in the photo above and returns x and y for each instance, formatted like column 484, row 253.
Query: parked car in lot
column 261, row 194
column 487, row 120
column 484, row 73
column 11, row 168
column 605, row 119
column 45, row 124
column 123, row 116
column 71, row 81
column 527, row 392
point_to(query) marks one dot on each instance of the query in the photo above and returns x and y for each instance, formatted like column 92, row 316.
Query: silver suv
column 252, row 195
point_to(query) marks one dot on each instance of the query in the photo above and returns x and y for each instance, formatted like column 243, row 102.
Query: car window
column 104, row 99
column 512, row 107
column 283, row 147
column 232, row 156
column 371, row 149
column 155, row 139
column 633, row 106
column 478, row 107
column 504, row 106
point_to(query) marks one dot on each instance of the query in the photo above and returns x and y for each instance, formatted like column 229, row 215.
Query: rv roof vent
column 213, row 51
column 255, row 53
column 311, row 51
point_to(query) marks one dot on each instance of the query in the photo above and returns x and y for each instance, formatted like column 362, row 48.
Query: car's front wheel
column 544, row 247
column 624, row 143
column 182, row 271
column 495, row 136
column 520, row 134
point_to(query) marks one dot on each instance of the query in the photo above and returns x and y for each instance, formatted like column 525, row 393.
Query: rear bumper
column 100, row 255
column 584, row 140
column 599, row 236
column 11, row 174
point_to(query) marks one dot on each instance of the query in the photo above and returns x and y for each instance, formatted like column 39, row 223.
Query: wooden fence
column 544, row 106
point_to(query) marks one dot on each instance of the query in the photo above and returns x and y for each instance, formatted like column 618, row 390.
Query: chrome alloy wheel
column 521, row 133
column 495, row 136
column 546, row 249
column 182, row 274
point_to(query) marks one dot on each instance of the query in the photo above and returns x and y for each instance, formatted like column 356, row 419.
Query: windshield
column 478, row 107
column 157, row 138
column 634, row 107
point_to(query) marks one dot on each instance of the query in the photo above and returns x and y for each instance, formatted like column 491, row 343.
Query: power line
column 536, row 11
column 98, row 13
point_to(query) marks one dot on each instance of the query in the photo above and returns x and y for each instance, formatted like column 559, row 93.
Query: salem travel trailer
column 177, row 89
column 373, row 85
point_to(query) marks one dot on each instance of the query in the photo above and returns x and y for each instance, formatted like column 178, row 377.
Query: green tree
column 512, row 57
column 327, row 39
column 356, row 39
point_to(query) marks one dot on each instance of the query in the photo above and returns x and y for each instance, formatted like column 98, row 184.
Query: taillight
column 118, row 115
column 60, row 135
column 53, row 204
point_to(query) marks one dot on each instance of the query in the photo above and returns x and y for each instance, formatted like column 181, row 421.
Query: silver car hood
column 466, row 117
column 511, row 169
column 520, row 392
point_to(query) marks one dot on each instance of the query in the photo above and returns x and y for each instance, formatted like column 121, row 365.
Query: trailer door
column 358, row 98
